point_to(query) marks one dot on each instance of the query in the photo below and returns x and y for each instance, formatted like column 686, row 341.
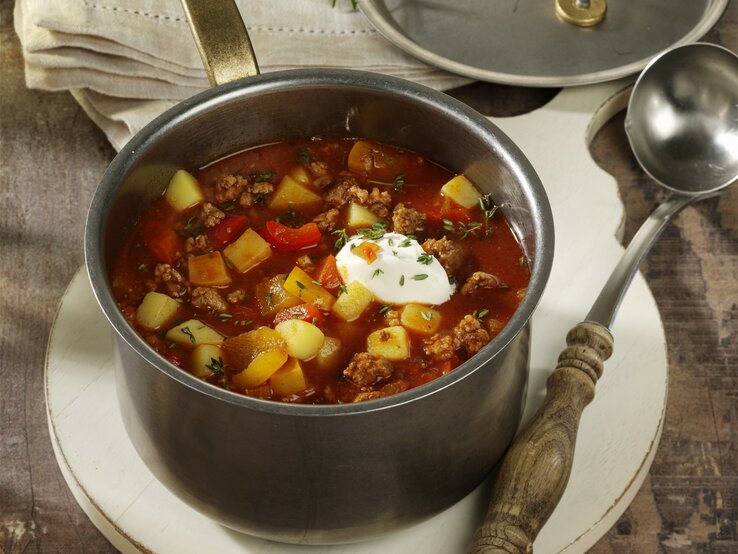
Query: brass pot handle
column 222, row 39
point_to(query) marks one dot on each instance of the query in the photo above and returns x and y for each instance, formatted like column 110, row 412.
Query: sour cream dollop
column 397, row 271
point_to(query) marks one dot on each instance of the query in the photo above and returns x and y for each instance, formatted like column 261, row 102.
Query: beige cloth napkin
column 126, row 61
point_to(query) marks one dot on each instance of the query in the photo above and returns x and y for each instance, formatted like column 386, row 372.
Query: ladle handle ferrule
column 222, row 39
column 608, row 302
column 536, row 468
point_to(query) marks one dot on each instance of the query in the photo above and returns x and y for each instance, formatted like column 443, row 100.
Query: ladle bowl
column 682, row 120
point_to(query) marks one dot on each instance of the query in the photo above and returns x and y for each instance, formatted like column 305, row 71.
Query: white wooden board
column 619, row 431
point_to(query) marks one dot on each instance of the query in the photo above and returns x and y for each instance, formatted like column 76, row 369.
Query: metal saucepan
column 315, row 474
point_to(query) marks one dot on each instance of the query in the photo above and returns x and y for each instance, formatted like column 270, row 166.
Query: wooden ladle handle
column 536, row 468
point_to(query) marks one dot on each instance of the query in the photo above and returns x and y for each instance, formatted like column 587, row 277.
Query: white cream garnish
column 401, row 273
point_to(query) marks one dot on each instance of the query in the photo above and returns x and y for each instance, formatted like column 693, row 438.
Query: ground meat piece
column 379, row 202
column 470, row 335
column 171, row 279
column 346, row 189
column 439, row 347
column 407, row 221
column 387, row 390
column 256, row 194
column 392, row 318
column 449, row 253
column 305, row 262
column 211, row 215
column 369, row 395
column 327, row 221
column 206, row 299
column 479, row 280
column 366, row 369
column 197, row 245
column 318, row 169
column 229, row 187
column 236, row 296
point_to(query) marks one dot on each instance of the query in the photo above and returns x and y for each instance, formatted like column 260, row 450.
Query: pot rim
column 209, row 99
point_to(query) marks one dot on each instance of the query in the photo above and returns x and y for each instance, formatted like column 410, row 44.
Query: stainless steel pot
column 319, row 474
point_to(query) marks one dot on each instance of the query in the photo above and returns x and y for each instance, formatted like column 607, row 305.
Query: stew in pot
column 320, row 271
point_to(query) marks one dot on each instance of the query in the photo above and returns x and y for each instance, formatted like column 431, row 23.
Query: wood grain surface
column 51, row 158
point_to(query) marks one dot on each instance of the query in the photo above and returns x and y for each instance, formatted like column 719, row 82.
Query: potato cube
column 391, row 343
column 247, row 251
column 359, row 217
column 291, row 193
column 300, row 174
column 301, row 285
column 304, row 340
column 183, row 191
column 289, row 379
column 262, row 367
column 260, row 353
column 271, row 296
column 330, row 354
column 208, row 270
column 374, row 161
column 241, row 350
column 352, row 303
column 462, row 191
column 205, row 358
column 156, row 310
column 421, row 319
column 192, row 333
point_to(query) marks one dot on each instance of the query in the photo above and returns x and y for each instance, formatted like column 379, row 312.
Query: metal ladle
column 682, row 124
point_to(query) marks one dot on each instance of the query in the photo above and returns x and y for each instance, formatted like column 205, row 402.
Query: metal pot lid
column 525, row 42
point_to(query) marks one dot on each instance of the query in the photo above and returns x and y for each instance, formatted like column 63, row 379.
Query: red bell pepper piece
column 227, row 230
column 306, row 312
column 161, row 240
column 286, row 238
column 328, row 275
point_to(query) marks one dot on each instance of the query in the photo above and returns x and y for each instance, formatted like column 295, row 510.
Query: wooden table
column 51, row 158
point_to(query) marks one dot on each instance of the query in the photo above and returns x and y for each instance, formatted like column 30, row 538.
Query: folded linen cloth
column 126, row 61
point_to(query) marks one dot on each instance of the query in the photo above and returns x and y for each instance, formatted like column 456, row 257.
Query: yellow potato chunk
column 462, row 191
column 208, row 270
column 183, row 191
column 352, row 303
column 260, row 369
column 301, row 285
column 421, row 319
column 391, row 343
column 358, row 217
column 260, row 353
column 204, row 358
column 329, row 355
column 304, row 340
column 300, row 174
column 290, row 192
column 156, row 310
column 192, row 333
column 247, row 251
column 271, row 296
column 289, row 379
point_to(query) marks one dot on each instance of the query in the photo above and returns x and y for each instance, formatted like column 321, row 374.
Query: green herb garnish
column 304, row 156
column 342, row 238
column 216, row 366
column 480, row 314
column 425, row 259
column 142, row 267
column 402, row 280
column 188, row 332
column 376, row 273
column 261, row 176
column 384, row 308
column 376, row 231
column 419, row 277
column 399, row 183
